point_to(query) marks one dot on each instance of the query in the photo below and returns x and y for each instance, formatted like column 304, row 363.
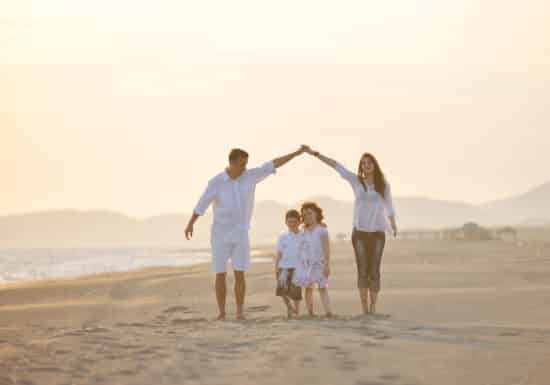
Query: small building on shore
column 508, row 234
column 470, row 231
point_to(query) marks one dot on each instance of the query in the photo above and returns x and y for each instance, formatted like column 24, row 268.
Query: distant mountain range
column 71, row 228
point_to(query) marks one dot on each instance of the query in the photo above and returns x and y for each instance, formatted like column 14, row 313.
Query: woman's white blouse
column 370, row 209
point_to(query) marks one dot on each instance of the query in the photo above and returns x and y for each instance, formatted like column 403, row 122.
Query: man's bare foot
column 240, row 317
column 220, row 317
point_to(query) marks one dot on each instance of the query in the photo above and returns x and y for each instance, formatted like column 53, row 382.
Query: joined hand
column 306, row 148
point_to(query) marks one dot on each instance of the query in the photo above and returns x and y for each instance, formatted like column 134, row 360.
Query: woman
column 373, row 207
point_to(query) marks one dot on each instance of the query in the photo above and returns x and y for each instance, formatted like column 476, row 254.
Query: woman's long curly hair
column 315, row 207
column 379, row 179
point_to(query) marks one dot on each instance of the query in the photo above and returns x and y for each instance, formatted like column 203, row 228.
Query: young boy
column 286, row 260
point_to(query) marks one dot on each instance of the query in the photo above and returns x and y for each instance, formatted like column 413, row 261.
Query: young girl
column 314, row 263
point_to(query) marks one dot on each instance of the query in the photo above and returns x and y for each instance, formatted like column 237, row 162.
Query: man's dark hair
column 237, row 154
column 292, row 214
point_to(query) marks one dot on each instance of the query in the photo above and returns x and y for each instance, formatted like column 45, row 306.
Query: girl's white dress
column 309, row 270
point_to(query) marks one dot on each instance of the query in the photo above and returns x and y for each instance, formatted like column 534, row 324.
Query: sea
column 28, row 264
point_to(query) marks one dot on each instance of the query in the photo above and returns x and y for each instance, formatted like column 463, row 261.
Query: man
column 232, row 195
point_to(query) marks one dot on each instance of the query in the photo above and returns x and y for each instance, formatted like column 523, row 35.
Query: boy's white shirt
column 289, row 245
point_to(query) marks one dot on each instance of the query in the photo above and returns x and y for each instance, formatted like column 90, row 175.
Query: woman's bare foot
column 372, row 308
column 220, row 317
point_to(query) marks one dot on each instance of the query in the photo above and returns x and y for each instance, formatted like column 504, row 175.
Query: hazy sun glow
column 133, row 105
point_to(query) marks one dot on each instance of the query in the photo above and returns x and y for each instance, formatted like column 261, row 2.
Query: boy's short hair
column 292, row 214
column 236, row 154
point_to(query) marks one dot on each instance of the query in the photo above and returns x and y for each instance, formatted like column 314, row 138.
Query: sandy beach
column 450, row 312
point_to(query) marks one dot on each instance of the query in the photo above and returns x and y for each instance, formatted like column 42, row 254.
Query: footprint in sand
column 95, row 330
column 256, row 309
column 123, row 346
column 23, row 382
column 368, row 344
column 114, row 357
column 509, row 334
column 48, row 369
column 349, row 365
column 145, row 352
column 87, row 360
column 179, row 321
column 390, row 377
column 367, row 382
column 176, row 309
column 125, row 372
column 382, row 337
column 74, row 333
column 134, row 325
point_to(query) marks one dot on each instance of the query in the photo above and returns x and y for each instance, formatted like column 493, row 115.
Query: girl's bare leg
column 326, row 301
column 309, row 299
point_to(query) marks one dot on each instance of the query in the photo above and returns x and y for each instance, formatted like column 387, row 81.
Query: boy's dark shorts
column 285, row 287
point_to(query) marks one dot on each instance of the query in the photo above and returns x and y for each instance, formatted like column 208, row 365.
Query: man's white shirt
column 233, row 202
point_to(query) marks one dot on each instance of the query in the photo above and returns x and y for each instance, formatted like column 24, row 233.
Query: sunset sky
column 134, row 105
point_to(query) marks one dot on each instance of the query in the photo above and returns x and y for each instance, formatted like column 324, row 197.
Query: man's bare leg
column 221, row 291
column 240, row 291
column 373, row 299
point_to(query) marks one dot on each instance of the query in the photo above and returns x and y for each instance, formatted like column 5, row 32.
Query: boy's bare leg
column 297, row 307
column 309, row 299
column 289, row 308
column 323, row 293
column 240, row 290
column 221, row 291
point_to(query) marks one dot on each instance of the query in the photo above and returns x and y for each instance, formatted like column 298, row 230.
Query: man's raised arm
column 278, row 162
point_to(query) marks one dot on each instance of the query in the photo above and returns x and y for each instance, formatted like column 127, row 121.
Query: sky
column 133, row 105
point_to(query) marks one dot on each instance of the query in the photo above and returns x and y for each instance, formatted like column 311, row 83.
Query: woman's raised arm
column 344, row 172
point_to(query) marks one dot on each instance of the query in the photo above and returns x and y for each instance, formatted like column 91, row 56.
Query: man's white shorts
column 238, row 252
